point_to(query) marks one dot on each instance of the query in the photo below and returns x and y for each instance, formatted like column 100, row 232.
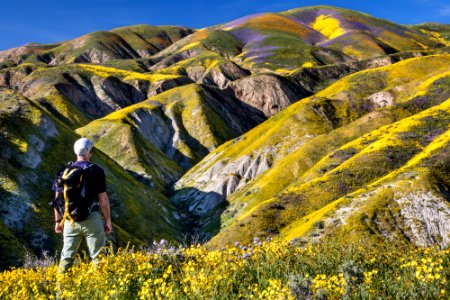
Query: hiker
column 80, row 200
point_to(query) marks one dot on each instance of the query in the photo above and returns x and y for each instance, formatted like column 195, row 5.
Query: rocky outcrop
column 13, row 79
column 267, row 93
column 218, row 182
column 184, row 124
column 20, row 54
column 221, row 75
column 154, row 127
column 426, row 217
column 382, row 99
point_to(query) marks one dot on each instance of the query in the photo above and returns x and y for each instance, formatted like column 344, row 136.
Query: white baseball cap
column 82, row 146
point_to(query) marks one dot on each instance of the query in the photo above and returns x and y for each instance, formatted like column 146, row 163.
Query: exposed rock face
column 154, row 128
column 226, row 179
column 221, row 76
column 94, row 56
column 14, row 78
column 95, row 96
column 184, row 124
column 382, row 99
column 220, row 181
column 268, row 93
column 426, row 216
column 19, row 54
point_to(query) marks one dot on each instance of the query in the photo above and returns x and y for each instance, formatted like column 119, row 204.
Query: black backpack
column 74, row 202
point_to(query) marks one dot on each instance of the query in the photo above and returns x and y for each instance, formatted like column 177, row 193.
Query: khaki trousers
column 90, row 229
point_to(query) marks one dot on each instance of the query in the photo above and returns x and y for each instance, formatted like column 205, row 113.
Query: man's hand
column 59, row 228
column 108, row 227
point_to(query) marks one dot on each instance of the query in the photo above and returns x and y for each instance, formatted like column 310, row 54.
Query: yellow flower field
column 261, row 270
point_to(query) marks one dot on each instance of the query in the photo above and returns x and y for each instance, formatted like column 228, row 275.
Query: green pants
column 91, row 229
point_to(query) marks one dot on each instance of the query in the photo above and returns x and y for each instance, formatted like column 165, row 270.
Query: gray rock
column 382, row 99
column 268, row 93
column 223, row 179
column 427, row 217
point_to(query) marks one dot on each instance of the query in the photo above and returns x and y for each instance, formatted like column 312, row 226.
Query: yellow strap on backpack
column 66, row 216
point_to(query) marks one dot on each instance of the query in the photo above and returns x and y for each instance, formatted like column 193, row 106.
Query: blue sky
column 50, row 21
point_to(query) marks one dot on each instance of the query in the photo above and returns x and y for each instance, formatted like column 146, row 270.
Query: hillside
column 366, row 128
column 299, row 125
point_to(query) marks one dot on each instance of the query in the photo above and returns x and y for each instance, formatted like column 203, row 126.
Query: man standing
column 78, row 207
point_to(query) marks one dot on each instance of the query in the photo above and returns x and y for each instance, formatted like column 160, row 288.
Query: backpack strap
column 66, row 174
column 88, row 165
column 94, row 203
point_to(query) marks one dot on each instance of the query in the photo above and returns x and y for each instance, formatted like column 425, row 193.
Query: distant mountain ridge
column 298, row 124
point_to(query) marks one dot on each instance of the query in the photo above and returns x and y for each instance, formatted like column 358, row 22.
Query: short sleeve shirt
column 95, row 182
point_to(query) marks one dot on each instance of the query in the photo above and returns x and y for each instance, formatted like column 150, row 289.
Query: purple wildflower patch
column 305, row 17
column 328, row 12
column 344, row 40
column 356, row 25
column 257, row 50
column 247, row 35
column 241, row 20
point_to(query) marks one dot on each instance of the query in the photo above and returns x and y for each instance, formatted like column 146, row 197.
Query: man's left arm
column 103, row 202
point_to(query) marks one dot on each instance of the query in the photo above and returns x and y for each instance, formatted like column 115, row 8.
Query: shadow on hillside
column 139, row 177
column 80, row 90
column 201, row 212
column 10, row 248
column 26, row 220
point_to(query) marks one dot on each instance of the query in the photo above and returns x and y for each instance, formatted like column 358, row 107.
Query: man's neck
column 82, row 158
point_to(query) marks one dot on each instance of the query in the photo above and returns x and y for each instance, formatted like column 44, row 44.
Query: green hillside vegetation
column 440, row 31
column 205, row 39
column 34, row 147
column 151, row 39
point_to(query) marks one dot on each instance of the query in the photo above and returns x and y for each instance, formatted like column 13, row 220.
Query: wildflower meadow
column 263, row 269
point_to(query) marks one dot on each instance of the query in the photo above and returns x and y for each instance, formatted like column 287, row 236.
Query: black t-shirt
column 95, row 181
